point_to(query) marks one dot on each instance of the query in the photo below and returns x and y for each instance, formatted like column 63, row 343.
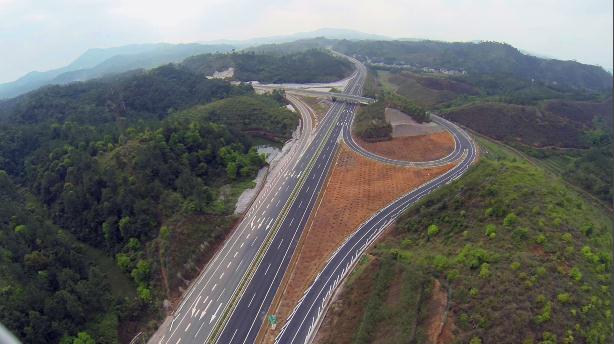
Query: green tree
column 141, row 272
column 84, row 338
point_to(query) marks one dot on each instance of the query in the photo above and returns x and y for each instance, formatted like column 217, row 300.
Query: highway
column 228, row 301
column 245, row 320
column 259, row 248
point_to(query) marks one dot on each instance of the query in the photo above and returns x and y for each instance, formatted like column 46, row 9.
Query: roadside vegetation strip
column 218, row 328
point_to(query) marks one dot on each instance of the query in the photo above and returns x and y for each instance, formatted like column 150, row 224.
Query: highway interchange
column 228, row 302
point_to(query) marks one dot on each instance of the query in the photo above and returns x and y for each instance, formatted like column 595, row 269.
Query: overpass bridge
column 350, row 98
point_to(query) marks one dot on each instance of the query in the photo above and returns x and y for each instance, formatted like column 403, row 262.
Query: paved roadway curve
column 307, row 315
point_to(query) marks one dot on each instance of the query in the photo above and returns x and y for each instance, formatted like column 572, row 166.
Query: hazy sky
column 45, row 34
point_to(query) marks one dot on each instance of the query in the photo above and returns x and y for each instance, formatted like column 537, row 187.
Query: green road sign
column 272, row 319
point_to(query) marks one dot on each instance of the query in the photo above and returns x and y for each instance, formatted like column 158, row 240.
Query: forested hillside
column 484, row 58
column 139, row 171
column 302, row 67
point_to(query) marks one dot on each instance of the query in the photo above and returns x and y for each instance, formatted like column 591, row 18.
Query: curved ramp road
column 307, row 315
column 452, row 157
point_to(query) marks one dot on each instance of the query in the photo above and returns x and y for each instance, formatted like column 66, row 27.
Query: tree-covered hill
column 312, row 65
column 144, row 169
column 484, row 58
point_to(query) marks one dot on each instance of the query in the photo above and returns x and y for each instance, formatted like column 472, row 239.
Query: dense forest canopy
column 114, row 164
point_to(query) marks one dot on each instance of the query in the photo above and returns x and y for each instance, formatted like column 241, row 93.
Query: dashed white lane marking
column 222, row 275
column 276, row 205
column 250, row 301
column 235, row 256
column 233, row 335
column 187, row 327
column 178, row 341
column 227, row 266
column 220, row 296
column 282, row 240
column 267, row 269
column 243, row 243
column 238, row 266
column 215, row 285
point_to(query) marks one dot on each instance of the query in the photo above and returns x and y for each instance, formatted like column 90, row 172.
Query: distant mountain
column 330, row 33
column 484, row 60
column 96, row 63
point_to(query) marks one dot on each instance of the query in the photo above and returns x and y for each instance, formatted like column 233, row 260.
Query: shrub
column 83, row 338
column 540, row 239
column 452, row 275
column 475, row 340
column 520, row 233
column 548, row 338
column 473, row 257
column 490, row 229
column 546, row 313
column 540, row 271
column 440, row 262
column 510, row 220
column 432, row 230
column 473, row 292
column 406, row 243
column 20, row 229
column 123, row 262
column 515, row 266
column 165, row 232
column 587, row 229
column 485, row 270
column 564, row 297
column 575, row 274
column 141, row 272
column 567, row 237
column 144, row 293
